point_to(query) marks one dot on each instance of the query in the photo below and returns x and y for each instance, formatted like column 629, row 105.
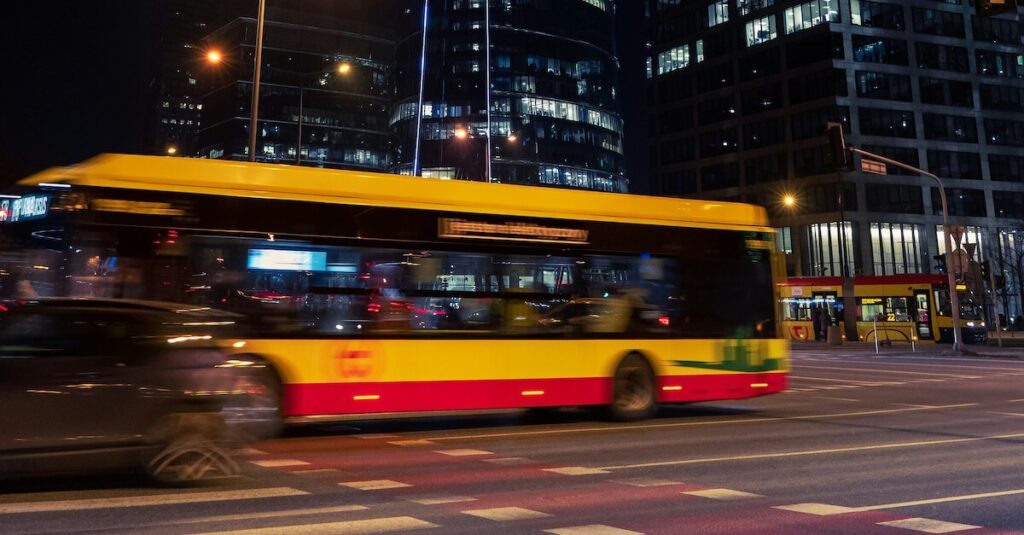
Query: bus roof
column 270, row 181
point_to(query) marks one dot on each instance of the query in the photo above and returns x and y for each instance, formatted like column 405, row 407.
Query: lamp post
column 261, row 20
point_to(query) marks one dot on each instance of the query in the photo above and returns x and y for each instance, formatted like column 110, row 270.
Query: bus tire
column 634, row 392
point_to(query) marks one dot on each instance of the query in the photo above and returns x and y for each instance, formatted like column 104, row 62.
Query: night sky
column 75, row 81
column 78, row 79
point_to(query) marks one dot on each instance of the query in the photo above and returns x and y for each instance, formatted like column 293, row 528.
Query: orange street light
column 171, row 151
column 789, row 200
column 512, row 138
column 461, row 133
column 214, row 57
column 344, row 68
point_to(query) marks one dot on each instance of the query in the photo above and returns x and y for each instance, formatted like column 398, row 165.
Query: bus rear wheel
column 633, row 390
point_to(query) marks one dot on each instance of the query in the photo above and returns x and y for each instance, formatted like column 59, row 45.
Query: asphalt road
column 861, row 444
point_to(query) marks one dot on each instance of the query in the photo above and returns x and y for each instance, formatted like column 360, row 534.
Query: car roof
column 126, row 305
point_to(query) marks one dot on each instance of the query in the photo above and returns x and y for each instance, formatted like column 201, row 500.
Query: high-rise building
column 541, row 73
column 743, row 89
column 181, row 27
column 326, row 84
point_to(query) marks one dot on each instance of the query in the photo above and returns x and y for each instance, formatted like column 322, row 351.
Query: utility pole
column 254, row 126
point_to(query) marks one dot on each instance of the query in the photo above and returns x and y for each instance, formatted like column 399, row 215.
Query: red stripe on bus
column 368, row 398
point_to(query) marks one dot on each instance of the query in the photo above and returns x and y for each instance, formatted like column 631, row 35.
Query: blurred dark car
column 100, row 385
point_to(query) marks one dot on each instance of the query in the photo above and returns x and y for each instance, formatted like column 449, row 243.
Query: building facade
column 741, row 92
column 327, row 85
column 546, row 85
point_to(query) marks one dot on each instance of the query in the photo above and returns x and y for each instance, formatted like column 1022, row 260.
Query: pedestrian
column 826, row 322
column 816, row 322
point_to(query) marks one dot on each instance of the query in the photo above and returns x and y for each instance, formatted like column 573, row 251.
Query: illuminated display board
column 287, row 260
column 24, row 209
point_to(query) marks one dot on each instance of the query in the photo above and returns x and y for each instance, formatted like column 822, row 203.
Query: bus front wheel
column 634, row 395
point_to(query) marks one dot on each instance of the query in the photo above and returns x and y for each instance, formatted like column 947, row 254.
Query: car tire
column 191, row 460
column 256, row 413
column 634, row 394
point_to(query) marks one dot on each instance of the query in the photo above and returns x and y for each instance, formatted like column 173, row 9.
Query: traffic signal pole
column 954, row 300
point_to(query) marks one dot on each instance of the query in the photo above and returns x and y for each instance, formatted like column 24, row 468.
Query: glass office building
column 549, row 83
column 741, row 91
column 327, row 86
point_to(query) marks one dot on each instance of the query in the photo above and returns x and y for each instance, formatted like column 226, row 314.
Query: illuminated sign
column 525, row 232
column 136, row 207
column 287, row 260
column 871, row 301
column 24, row 209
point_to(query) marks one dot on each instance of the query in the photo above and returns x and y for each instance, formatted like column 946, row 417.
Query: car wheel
column 256, row 411
column 633, row 390
column 190, row 460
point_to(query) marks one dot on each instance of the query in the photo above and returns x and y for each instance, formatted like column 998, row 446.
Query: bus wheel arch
column 634, row 393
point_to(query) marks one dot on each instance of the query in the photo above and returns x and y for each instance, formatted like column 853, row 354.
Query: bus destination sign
column 24, row 209
column 510, row 231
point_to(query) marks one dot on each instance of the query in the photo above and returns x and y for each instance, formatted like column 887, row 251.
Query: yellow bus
column 372, row 293
column 893, row 308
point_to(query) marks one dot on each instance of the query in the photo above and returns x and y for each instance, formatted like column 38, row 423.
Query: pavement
column 894, row 443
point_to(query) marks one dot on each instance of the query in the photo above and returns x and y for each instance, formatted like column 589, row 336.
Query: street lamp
column 461, row 133
column 344, row 68
column 214, row 57
column 171, row 151
column 789, row 200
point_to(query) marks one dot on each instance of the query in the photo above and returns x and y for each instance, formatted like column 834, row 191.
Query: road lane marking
column 1007, row 413
column 351, row 527
column 876, row 370
column 941, row 500
column 723, row 494
column 645, row 482
column 831, row 380
column 251, row 451
column 818, row 509
column 837, row 399
column 316, row 471
column 145, row 501
column 593, row 529
column 463, row 452
column 261, row 516
column 506, row 514
column 1016, row 400
column 413, row 442
column 441, row 500
column 510, row 461
column 576, row 471
column 893, row 445
column 975, row 368
column 925, row 525
column 689, row 424
column 375, row 436
column 279, row 463
column 374, row 484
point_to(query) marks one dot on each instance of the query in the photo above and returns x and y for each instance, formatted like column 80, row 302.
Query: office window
column 971, row 235
column 811, row 123
column 870, row 49
column 679, row 182
column 955, row 128
column 721, row 176
column 1006, row 167
column 1001, row 97
column 718, row 142
column 1001, row 64
column 764, row 133
column 761, row 30
column 949, row 164
column 673, row 120
column 678, row 150
column 829, row 247
column 890, row 123
column 962, row 202
column 877, row 14
column 716, row 110
column 942, row 57
column 946, row 92
column 674, row 59
column 766, row 169
column 894, row 198
column 784, row 240
column 824, row 46
column 1004, row 132
column 884, row 86
column 996, row 30
column 895, row 248
column 812, row 161
column 810, row 14
column 718, row 13
column 746, row 7
column 761, row 99
column 715, row 77
column 938, row 22
column 764, row 63
column 816, row 85
column 906, row 155
column 1009, row 204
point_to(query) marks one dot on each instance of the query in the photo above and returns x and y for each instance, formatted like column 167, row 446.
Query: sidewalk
column 937, row 350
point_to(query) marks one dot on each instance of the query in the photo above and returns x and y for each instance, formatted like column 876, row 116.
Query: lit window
column 811, row 14
column 761, row 30
column 718, row 13
column 674, row 59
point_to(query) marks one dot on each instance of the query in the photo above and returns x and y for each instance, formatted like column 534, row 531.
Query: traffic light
column 940, row 263
column 837, row 144
column 989, row 8
column 986, row 269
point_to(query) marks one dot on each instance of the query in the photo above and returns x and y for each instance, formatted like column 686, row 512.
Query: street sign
column 873, row 167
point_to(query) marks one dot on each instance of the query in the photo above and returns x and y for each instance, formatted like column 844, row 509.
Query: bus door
column 923, row 318
column 830, row 301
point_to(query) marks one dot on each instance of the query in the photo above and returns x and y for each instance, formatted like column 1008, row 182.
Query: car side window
column 33, row 333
